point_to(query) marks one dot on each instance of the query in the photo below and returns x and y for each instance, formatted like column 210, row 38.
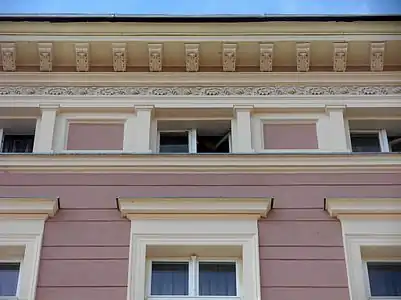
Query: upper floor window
column 384, row 279
column 14, row 143
column 17, row 135
column 9, row 273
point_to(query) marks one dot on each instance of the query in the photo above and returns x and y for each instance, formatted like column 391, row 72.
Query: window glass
column 18, row 143
column 174, row 142
column 9, row 273
column 384, row 279
column 365, row 142
column 169, row 278
column 217, row 279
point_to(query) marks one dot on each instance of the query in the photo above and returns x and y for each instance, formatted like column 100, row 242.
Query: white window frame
column 369, row 222
column 193, row 276
column 381, row 135
column 15, row 260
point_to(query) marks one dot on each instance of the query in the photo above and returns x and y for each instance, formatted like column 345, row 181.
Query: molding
column 377, row 56
column 266, row 57
column 237, row 163
column 340, row 57
column 82, row 57
column 229, row 57
column 192, row 57
column 155, row 57
column 119, row 51
column 45, row 51
column 28, row 206
column 9, row 56
column 338, row 207
column 303, row 57
column 259, row 207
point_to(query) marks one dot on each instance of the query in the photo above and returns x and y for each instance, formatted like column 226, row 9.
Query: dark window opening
column 170, row 279
column 14, row 143
column 395, row 143
column 385, row 279
column 213, row 144
column 174, row 142
column 9, row 273
column 365, row 142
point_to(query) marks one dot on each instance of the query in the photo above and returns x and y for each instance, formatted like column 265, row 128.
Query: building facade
column 200, row 158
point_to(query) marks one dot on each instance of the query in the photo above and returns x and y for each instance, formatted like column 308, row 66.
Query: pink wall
column 290, row 136
column 90, row 136
column 85, row 247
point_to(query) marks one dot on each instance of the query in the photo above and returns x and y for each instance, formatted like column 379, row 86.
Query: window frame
column 381, row 135
column 193, row 276
column 12, row 261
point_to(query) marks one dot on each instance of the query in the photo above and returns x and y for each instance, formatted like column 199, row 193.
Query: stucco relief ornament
column 155, row 57
column 377, row 57
column 229, row 57
column 340, row 57
column 119, row 57
column 45, row 57
column 82, row 57
column 9, row 54
column 303, row 54
column 192, row 57
column 266, row 57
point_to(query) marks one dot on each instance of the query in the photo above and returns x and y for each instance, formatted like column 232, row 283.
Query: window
column 9, row 273
column 13, row 143
column 384, row 279
column 193, row 278
column 369, row 141
column 194, row 137
column 17, row 135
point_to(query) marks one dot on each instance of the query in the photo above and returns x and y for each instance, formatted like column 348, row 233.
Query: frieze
column 274, row 90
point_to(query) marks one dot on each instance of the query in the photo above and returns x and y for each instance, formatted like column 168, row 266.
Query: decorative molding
column 9, row 56
column 155, row 57
column 340, row 55
column 303, row 57
column 28, row 206
column 192, row 57
column 82, row 57
column 229, row 57
column 210, row 91
column 45, row 51
column 212, row 206
column 119, row 51
column 377, row 56
column 338, row 207
column 266, row 57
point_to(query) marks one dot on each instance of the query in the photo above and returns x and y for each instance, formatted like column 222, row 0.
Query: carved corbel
column 266, row 57
column 9, row 55
column 82, row 57
column 155, row 57
column 119, row 57
column 192, row 57
column 340, row 53
column 377, row 57
column 303, row 57
column 45, row 51
column 229, row 57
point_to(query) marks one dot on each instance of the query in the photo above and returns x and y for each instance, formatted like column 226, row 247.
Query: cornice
column 28, row 206
column 258, row 207
column 338, row 207
column 257, row 163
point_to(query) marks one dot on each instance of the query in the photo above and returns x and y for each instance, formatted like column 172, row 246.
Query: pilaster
column 242, row 131
column 336, row 129
column 141, row 129
column 45, row 129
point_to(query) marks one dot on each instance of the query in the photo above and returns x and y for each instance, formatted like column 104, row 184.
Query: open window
column 17, row 135
column 194, row 136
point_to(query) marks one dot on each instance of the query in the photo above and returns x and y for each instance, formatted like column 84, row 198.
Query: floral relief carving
column 119, row 57
column 377, row 57
column 303, row 57
column 266, row 57
column 274, row 90
column 192, row 57
column 45, row 51
column 229, row 57
column 340, row 57
column 155, row 57
column 82, row 57
column 9, row 54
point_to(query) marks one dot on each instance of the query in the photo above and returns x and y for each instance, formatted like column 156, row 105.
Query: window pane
column 8, row 279
column 365, row 142
column 169, row 278
column 217, row 279
column 18, row 143
column 174, row 142
column 384, row 279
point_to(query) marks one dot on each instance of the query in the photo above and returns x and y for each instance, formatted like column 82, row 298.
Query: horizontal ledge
column 210, row 206
column 338, row 207
column 29, row 206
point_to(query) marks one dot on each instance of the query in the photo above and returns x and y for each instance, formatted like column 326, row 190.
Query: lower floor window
column 193, row 278
column 384, row 279
column 9, row 273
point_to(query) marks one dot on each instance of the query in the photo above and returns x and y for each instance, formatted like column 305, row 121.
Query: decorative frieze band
column 274, row 90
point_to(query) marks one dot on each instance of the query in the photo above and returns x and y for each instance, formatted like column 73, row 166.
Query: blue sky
column 198, row 7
